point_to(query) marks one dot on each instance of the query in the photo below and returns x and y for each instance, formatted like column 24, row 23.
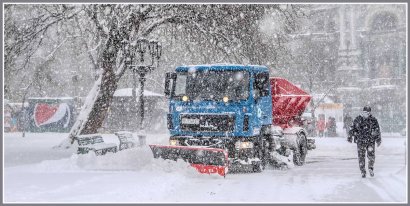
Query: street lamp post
column 132, row 51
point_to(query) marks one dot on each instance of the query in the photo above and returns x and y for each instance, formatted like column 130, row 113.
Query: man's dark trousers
column 362, row 148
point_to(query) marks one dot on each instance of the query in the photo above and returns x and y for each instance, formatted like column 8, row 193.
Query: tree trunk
column 98, row 101
column 102, row 103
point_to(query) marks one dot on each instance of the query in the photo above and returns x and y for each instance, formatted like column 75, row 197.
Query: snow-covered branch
column 156, row 24
column 89, row 51
column 122, row 68
column 92, row 13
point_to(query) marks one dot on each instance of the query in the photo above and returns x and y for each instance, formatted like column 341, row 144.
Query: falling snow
column 92, row 60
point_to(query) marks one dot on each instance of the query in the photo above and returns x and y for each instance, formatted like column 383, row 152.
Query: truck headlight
column 173, row 142
column 243, row 145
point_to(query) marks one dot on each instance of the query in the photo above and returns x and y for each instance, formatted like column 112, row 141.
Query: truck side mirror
column 256, row 94
column 167, row 90
column 170, row 78
column 261, row 85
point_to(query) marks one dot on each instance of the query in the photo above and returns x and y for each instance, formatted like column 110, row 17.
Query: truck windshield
column 213, row 85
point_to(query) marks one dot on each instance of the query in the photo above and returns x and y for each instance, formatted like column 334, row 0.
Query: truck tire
column 257, row 167
column 265, row 148
column 299, row 155
column 259, row 150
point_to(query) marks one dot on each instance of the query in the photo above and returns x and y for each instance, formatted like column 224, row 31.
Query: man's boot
column 363, row 174
column 371, row 172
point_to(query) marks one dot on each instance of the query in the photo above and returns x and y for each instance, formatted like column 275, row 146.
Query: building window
column 319, row 25
column 331, row 25
column 383, row 22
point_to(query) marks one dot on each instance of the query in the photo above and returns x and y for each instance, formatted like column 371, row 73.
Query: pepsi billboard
column 51, row 114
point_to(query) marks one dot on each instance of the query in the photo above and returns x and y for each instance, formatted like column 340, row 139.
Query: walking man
column 366, row 133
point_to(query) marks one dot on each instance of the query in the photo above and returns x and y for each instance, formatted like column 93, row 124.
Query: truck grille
column 207, row 122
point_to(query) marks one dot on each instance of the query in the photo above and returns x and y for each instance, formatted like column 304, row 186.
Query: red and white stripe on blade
column 204, row 159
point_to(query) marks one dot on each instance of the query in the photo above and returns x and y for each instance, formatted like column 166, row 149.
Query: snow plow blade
column 204, row 160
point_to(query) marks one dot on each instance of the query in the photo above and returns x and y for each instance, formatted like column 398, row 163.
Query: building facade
column 360, row 58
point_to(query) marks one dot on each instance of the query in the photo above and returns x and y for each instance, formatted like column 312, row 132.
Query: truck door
column 263, row 100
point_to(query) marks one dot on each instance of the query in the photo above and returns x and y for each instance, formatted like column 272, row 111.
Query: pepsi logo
column 50, row 113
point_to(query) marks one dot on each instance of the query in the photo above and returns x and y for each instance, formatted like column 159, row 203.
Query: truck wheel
column 265, row 149
column 257, row 167
column 301, row 149
column 283, row 166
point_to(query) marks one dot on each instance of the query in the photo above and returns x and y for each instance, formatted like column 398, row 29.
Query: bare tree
column 113, row 25
column 116, row 24
column 102, row 29
column 231, row 33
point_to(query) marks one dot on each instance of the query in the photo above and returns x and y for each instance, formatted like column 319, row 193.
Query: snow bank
column 34, row 172
column 130, row 159
column 139, row 159
column 42, row 145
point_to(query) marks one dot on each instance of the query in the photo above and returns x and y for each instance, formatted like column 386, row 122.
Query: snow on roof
column 51, row 98
column 128, row 92
column 220, row 67
column 317, row 97
column 210, row 65
column 18, row 104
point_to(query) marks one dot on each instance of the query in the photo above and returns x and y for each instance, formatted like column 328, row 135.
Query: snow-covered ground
column 34, row 171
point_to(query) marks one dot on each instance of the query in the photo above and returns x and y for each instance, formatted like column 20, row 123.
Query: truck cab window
column 180, row 85
column 261, row 84
column 212, row 85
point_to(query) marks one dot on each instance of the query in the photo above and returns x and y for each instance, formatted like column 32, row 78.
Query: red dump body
column 288, row 102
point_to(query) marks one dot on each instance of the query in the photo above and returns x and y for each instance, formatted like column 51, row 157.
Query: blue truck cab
column 210, row 104
column 222, row 115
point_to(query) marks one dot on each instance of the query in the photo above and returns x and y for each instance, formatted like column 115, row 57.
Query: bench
column 94, row 143
column 126, row 139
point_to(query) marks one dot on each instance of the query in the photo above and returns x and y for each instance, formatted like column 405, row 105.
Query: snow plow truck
column 232, row 118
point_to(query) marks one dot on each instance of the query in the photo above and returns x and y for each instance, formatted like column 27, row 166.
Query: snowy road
column 34, row 172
